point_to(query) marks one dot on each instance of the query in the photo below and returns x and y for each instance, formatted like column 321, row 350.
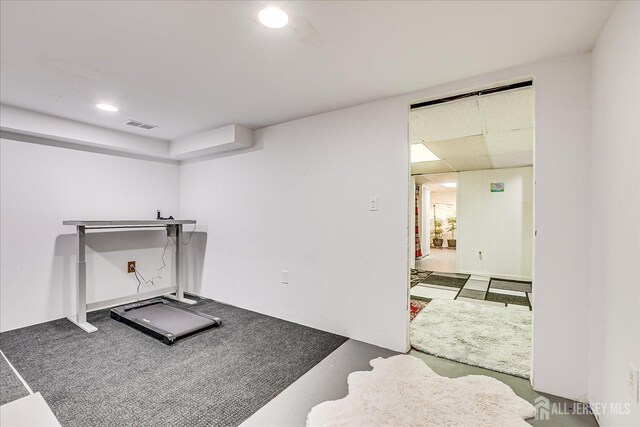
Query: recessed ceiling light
column 273, row 17
column 420, row 153
column 107, row 107
column 449, row 184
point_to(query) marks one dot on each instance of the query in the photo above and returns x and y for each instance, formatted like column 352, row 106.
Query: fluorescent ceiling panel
column 470, row 163
column 447, row 121
column 512, row 160
column 431, row 167
column 515, row 141
column 420, row 153
column 507, row 110
column 471, row 146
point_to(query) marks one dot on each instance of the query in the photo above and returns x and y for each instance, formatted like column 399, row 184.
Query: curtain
column 418, row 248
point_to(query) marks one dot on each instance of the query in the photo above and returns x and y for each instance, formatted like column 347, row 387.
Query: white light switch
column 373, row 203
column 285, row 277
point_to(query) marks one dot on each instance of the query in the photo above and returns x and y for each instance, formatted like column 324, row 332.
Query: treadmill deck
column 162, row 320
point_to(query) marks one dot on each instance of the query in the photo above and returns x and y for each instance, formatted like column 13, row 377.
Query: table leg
column 179, row 296
column 80, row 318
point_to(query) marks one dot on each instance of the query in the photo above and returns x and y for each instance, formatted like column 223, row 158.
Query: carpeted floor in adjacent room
column 119, row 376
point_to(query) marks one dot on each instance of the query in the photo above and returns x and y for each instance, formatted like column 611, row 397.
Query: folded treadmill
column 164, row 321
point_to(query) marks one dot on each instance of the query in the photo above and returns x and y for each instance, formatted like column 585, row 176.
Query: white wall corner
column 227, row 138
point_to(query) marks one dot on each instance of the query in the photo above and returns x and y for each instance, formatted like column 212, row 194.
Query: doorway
column 438, row 222
column 471, row 279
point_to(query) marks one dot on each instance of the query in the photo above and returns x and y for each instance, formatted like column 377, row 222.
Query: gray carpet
column 471, row 293
column 119, row 376
column 507, row 299
column 11, row 388
column 511, row 285
column 449, row 281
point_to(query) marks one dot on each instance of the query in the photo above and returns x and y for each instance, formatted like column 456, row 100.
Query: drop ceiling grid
column 490, row 131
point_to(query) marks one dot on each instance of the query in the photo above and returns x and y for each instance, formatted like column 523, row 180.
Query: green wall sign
column 497, row 187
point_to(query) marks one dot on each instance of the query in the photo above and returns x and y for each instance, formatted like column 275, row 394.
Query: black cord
column 164, row 264
column 188, row 241
column 190, row 235
column 152, row 280
column 139, row 282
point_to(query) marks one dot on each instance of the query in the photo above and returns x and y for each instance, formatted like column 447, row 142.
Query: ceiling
column 483, row 132
column 434, row 182
column 189, row 66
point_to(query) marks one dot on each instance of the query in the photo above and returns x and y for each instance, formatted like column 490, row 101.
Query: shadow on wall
column 114, row 246
column 194, row 261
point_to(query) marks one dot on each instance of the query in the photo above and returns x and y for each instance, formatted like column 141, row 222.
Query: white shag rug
column 490, row 337
column 403, row 391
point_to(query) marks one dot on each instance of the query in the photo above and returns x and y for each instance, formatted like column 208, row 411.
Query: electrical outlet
column 131, row 267
column 285, row 277
column 634, row 386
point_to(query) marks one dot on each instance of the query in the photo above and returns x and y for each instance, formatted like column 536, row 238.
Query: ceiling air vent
column 140, row 125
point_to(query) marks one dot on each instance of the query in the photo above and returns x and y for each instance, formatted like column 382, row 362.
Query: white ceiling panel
column 414, row 138
column 437, row 188
column 188, row 66
column 443, row 177
column 515, row 141
column 512, row 160
column 431, row 167
column 507, row 110
column 471, row 146
column 421, row 179
column 447, row 121
column 433, row 181
column 470, row 163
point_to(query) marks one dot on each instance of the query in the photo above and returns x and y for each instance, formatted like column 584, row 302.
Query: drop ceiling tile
column 443, row 177
column 512, row 160
column 507, row 110
column 437, row 166
column 437, row 188
column 421, row 179
column 514, row 141
column 470, row 163
column 471, row 146
column 413, row 138
column 447, row 121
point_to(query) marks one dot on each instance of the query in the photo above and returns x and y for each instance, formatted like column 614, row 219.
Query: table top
column 127, row 222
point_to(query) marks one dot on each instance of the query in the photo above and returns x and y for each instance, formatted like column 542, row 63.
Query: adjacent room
column 303, row 213
column 471, row 290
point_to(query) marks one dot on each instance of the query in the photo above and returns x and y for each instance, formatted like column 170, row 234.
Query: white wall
column 299, row 201
column 40, row 186
column 615, row 178
column 500, row 225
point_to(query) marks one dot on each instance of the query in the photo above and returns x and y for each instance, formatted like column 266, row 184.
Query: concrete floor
column 520, row 386
column 30, row 411
column 328, row 381
column 442, row 260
